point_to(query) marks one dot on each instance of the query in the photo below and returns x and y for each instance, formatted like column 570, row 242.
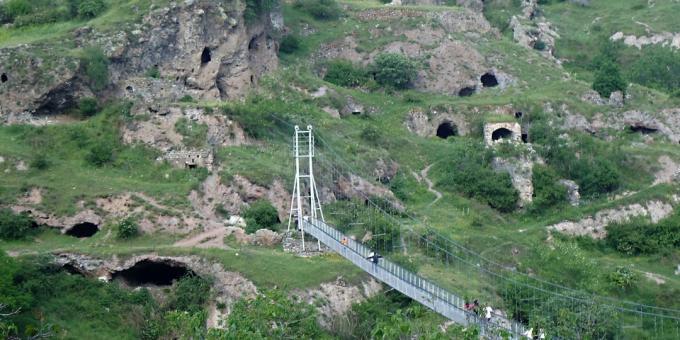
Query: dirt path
column 430, row 185
column 212, row 238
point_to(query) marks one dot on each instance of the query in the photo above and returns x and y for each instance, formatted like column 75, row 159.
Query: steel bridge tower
column 305, row 199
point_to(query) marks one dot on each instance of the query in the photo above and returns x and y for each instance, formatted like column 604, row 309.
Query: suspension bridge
column 521, row 301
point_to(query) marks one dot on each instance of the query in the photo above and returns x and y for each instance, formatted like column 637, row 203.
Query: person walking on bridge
column 489, row 313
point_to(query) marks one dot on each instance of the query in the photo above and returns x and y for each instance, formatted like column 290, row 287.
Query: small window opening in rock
column 252, row 79
column 82, row 230
column 643, row 129
column 129, row 89
column 489, row 80
column 3, row 78
column 446, row 130
column 466, row 91
column 525, row 138
column 501, row 133
column 191, row 165
column 356, row 113
column 71, row 269
column 253, row 43
column 519, row 114
column 206, row 56
column 149, row 272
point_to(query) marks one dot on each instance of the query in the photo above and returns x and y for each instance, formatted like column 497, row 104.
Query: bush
column 153, row 72
column 15, row 8
column 548, row 191
column 289, row 44
column 320, row 9
column 641, row 237
column 88, row 107
column 89, row 9
column 40, row 161
column 96, row 67
column 14, row 226
column 100, row 154
column 657, row 67
column 343, row 73
column 255, row 9
column 394, row 70
column 623, row 277
column 187, row 99
column 189, row 294
column 127, row 229
column 261, row 215
column 371, row 134
column 608, row 79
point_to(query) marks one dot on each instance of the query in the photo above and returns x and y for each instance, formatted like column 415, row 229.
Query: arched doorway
column 501, row 133
column 489, row 80
column 446, row 129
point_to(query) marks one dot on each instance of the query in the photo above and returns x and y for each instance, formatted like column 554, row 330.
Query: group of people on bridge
column 476, row 308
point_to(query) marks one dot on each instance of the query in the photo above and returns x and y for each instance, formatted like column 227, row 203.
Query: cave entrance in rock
column 3, row 78
column 206, row 56
column 501, row 133
column 156, row 273
column 446, row 129
column 489, row 80
column 82, row 230
column 643, row 129
column 467, row 91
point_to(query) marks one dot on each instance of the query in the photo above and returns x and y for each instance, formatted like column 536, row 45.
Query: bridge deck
column 410, row 284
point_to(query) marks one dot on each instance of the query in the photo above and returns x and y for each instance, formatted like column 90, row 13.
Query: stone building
column 190, row 158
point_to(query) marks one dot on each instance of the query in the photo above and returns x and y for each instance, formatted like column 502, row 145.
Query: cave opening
column 206, row 56
column 489, row 80
column 446, row 130
column 643, row 129
column 3, row 78
column 525, row 138
column 501, row 133
column 519, row 114
column 82, row 230
column 253, row 43
column 150, row 272
column 467, row 91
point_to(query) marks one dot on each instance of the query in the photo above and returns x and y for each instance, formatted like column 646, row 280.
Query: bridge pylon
column 305, row 198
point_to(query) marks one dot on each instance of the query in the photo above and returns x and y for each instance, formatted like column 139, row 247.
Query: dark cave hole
column 489, row 80
column 3, row 78
column 82, row 230
column 525, row 138
column 252, row 44
column 519, row 114
column 467, row 91
column 446, row 130
column 643, row 129
column 130, row 89
column 149, row 272
column 206, row 56
column 71, row 269
column 501, row 133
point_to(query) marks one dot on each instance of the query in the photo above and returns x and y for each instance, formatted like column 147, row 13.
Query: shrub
column 641, row 237
column 467, row 170
column 394, row 70
column 100, row 154
column 14, row 226
column 89, row 9
column 261, row 215
column 289, row 44
column 88, row 107
column 320, row 9
column 657, row 67
column 548, row 191
column 371, row 134
column 608, row 79
column 153, row 72
column 187, row 99
column 622, row 277
column 255, row 9
column 343, row 73
column 40, row 161
column 15, row 8
column 127, row 229
column 96, row 67
column 189, row 294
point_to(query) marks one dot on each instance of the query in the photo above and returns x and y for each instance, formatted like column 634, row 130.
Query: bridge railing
column 429, row 293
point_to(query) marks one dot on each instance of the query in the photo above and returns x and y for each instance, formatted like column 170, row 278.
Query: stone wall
column 190, row 158
column 490, row 128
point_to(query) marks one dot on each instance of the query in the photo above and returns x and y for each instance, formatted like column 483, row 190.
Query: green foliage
column 585, row 319
column 256, row 8
column 88, row 107
column 190, row 294
column 127, row 228
column 320, row 9
column 623, row 277
column 608, row 79
column 187, row 99
column 394, row 70
column 100, row 154
column 40, row 161
column 258, row 117
column 89, row 9
column 467, row 170
column 261, row 215
column 15, row 8
column 385, row 235
column 344, row 73
column 194, row 134
column 371, row 134
column 14, row 226
column 641, row 237
column 155, row 73
column 289, row 44
column 95, row 65
column 548, row 192
column 657, row 67
column 272, row 315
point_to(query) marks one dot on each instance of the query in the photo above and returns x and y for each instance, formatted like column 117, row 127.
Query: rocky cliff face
column 201, row 48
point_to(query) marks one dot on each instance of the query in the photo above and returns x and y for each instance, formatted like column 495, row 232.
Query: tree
column 608, row 79
column 96, row 67
column 89, row 9
column 261, row 215
column 394, row 70
column 87, row 107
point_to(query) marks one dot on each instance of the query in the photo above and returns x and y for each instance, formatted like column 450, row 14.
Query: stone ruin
column 497, row 132
column 190, row 158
